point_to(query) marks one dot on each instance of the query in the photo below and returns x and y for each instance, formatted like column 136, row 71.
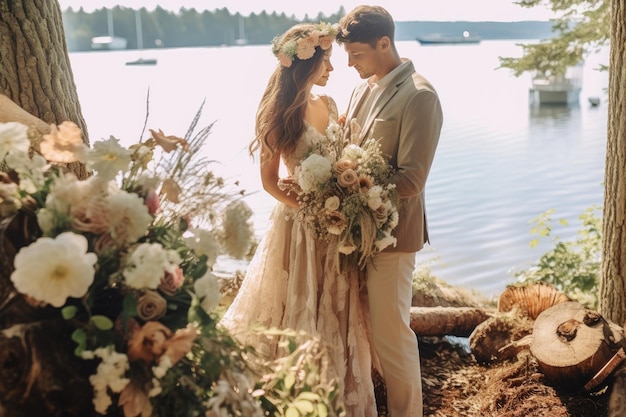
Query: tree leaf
column 69, row 312
column 102, row 322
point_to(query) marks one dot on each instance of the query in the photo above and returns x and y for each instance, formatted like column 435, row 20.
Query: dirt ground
column 455, row 385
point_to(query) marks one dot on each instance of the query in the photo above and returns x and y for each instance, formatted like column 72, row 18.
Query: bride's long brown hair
column 280, row 116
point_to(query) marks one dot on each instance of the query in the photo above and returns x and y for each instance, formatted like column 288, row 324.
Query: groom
column 401, row 109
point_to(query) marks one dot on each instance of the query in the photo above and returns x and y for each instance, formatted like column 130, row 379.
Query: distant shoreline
column 531, row 29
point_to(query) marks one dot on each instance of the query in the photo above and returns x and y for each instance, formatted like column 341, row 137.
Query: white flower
column 156, row 388
column 29, row 170
column 108, row 158
column 313, row 171
column 353, row 152
column 237, row 230
column 374, row 197
column 51, row 270
column 129, row 216
column 333, row 130
column 13, row 137
column 9, row 199
column 109, row 374
column 208, row 290
column 203, row 242
column 147, row 264
column 332, row 203
column 393, row 219
column 385, row 241
column 165, row 363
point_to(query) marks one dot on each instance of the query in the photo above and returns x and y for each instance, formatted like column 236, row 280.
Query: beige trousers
column 389, row 278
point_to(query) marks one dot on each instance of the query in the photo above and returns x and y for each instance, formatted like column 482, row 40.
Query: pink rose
column 151, row 200
column 284, row 60
column 326, row 42
column 170, row 283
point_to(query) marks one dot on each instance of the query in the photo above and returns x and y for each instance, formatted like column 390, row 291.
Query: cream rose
column 332, row 203
column 344, row 164
column 347, row 178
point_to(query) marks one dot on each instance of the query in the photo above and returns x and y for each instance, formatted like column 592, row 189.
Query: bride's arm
column 11, row 112
column 270, row 167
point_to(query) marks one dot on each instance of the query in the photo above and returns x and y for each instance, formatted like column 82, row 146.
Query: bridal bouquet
column 345, row 197
column 106, row 289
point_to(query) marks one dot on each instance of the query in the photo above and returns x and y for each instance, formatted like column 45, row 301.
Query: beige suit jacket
column 407, row 119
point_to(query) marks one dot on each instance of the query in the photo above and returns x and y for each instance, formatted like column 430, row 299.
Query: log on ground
column 447, row 321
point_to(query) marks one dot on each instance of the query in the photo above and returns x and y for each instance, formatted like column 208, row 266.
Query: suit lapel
column 380, row 104
column 382, row 101
column 356, row 102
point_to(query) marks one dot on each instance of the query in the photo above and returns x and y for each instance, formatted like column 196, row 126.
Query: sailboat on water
column 110, row 41
column 140, row 60
column 241, row 40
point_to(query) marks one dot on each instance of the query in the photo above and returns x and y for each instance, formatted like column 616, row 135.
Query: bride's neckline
column 315, row 97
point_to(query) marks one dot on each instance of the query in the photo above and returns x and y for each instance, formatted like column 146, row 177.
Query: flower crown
column 303, row 44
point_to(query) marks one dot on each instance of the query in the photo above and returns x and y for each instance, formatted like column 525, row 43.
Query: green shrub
column 573, row 267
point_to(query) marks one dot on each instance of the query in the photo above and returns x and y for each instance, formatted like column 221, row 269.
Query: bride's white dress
column 292, row 282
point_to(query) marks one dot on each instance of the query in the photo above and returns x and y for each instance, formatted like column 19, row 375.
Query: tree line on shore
column 185, row 28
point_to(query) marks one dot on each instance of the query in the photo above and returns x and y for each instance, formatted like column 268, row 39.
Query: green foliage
column 571, row 266
column 294, row 384
column 582, row 28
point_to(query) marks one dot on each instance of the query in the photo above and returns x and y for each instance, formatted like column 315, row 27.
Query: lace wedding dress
column 292, row 282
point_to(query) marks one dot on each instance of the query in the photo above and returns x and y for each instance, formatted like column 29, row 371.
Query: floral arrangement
column 123, row 260
column 344, row 195
column 303, row 46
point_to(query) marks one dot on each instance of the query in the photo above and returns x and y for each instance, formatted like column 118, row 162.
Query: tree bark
column 35, row 72
column 613, row 281
column 442, row 321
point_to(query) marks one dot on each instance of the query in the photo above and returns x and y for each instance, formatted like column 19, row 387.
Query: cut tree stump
column 447, row 321
column 572, row 345
column 499, row 338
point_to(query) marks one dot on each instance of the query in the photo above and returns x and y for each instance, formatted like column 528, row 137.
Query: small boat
column 559, row 90
column 143, row 61
column 438, row 39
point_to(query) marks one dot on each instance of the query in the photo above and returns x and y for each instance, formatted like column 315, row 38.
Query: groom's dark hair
column 366, row 24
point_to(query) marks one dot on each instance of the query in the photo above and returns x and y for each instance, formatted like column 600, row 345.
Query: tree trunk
column 35, row 72
column 442, row 321
column 613, row 281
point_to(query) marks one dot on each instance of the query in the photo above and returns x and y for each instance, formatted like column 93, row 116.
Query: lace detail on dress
column 292, row 282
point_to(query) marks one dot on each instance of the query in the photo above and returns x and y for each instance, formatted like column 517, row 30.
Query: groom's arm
column 420, row 127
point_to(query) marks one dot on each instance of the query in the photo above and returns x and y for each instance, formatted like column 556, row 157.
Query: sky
column 401, row 10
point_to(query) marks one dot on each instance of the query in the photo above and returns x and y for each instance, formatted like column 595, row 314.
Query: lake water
column 500, row 163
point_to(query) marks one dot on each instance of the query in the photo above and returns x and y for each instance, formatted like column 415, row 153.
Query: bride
column 291, row 282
